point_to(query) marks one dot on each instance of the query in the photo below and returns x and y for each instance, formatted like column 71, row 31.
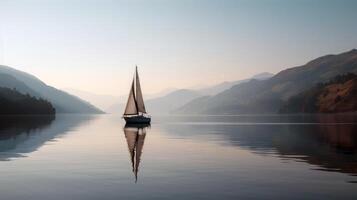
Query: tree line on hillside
column 337, row 95
column 13, row 102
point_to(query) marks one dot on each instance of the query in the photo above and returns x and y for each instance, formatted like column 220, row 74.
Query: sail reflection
column 135, row 137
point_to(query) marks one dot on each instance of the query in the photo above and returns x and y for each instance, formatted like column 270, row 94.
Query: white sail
column 131, row 108
column 139, row 95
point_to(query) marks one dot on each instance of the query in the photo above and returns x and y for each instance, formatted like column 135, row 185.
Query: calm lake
column 179, row 157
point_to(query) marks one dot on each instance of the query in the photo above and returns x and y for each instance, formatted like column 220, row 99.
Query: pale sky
column 94, row 45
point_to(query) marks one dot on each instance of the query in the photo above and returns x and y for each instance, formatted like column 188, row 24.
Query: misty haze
column 155, row 99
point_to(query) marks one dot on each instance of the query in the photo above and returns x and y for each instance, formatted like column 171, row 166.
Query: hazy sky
column 94, row 45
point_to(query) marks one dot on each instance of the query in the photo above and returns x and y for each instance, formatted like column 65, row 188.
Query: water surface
column 179, row 157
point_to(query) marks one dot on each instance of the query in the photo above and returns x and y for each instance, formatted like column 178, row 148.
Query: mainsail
column 131, row 108
column 135, row 103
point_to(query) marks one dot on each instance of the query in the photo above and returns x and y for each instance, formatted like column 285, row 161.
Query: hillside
column 215, row 89
column 335, row 96
column 13, row 102
column 9, row 81
column 267, row 96
column 26, row 83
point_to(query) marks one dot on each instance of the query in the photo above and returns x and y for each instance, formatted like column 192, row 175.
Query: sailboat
column 135, row 112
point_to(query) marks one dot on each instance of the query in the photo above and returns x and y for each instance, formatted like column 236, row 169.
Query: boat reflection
column 135, row 137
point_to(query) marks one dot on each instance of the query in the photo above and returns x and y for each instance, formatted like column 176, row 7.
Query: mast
column 135, row 90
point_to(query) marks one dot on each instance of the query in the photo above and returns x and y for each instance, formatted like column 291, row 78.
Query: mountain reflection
column 20, row 135
column 135, row 137
column 326, row 141
column 329, row 145
column 12, row 126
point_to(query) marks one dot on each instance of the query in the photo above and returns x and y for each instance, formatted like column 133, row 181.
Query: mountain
column 267, row 96
column 9, row 81
column 12, row 102
column 338, row 95
column 26, row 83
column 215, row 89
column 162, row 93
column 262, row 76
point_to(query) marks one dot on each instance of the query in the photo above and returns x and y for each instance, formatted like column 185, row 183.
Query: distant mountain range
column 175, row 99
column 28, row 84
column 110, row 103
column 262, row 93
column 162, row 105
column 267, row 96
column 215, row 89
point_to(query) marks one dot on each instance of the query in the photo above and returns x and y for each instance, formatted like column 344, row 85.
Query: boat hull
column 137, row 120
